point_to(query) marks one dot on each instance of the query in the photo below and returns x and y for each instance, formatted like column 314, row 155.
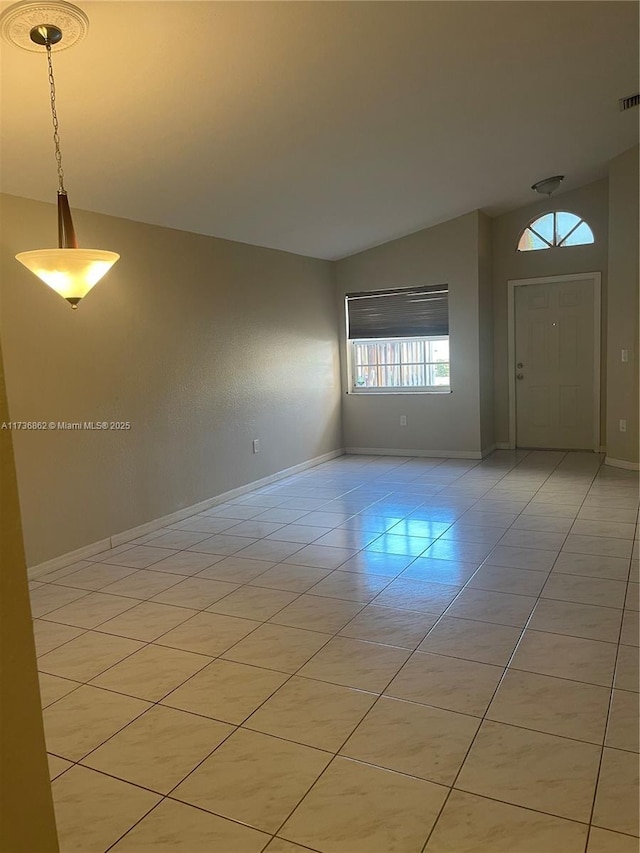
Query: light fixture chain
column 54, row 116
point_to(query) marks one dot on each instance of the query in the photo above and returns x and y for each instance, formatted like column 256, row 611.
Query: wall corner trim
column 150, row 526
column 622, row 463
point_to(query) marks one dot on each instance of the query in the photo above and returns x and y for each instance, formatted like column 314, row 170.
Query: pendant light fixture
column 69, row 270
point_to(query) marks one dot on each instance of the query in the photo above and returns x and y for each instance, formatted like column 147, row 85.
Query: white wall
column 202, row 344
column 622, row 321
column 444, row 423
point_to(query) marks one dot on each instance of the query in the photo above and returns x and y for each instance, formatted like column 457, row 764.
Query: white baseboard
column 127, row 535
column 34, row 572
column 487, row 450
column 504, row 445
column 394, row 451
column 622, row 463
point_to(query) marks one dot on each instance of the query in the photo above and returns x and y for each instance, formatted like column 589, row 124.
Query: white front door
column 554, row 365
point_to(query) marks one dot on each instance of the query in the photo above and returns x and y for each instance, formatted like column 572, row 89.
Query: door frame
column 596, row 278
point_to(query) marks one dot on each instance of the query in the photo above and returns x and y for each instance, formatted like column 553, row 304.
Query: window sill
column 371, row 392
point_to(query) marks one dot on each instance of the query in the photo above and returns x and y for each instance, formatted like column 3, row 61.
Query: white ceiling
column 322, row 128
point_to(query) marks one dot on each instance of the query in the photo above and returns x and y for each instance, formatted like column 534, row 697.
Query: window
column 399, row 340
column 560, row 228
column 409, row 364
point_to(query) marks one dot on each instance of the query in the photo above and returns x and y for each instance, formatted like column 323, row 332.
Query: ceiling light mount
column 547, row 186
column 45, row 34
column 18, row 23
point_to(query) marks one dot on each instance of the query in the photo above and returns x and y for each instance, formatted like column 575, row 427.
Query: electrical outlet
column 256, row 445
column 623, row 425
column 624, row 356
column 403, row 420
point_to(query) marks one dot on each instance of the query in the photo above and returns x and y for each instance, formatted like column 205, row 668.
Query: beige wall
column 202, row 344
column 485, row 320
column 622, row 323
column 444, row 254
column 205, row 344
column 589, row 202
column 27, row 823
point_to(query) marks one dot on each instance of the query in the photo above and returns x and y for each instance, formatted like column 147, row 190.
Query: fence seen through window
column 401, row 364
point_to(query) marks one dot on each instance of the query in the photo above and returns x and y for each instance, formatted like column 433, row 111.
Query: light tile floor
column 380, row 654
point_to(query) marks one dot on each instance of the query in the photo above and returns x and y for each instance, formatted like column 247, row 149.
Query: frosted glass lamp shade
column 70, row 272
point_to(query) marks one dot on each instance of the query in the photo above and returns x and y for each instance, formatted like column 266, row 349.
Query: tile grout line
column 501, row 679
column 606, row 727
column 606, row 722
column 484, row 717
column 309, row 591
column 337, row 754
column 229, row 735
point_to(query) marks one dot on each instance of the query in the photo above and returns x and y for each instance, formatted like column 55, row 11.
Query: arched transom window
column 560, row 228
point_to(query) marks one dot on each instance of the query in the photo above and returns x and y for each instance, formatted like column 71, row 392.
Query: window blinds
column 409, row 312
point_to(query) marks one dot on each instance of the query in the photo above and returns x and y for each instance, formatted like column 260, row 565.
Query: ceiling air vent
column 628, row 103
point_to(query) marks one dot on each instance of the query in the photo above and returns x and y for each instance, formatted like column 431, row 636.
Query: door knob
column 520, row 376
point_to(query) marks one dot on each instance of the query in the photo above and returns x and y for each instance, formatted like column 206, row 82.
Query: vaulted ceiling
column 322, row 128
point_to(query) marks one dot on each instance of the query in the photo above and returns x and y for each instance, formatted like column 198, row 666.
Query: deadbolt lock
column 519, row 365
